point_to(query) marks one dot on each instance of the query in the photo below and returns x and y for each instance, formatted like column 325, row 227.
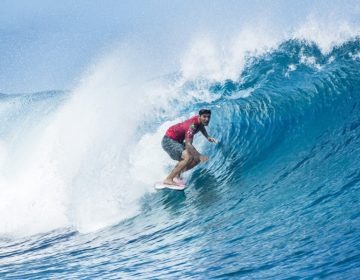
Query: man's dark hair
column 204, row 111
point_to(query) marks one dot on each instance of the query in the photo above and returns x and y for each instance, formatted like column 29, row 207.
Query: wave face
column 278, row 199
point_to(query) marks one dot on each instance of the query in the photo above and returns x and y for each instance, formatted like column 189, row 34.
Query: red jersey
column 185, row 130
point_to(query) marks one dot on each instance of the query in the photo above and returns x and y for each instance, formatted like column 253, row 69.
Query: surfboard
column 162, row 186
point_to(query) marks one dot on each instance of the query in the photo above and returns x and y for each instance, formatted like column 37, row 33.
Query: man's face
column 205, row 119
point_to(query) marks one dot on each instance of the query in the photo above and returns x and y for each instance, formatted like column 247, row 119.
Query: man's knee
column 194, row 161
column 187, row 158
column 190, row 159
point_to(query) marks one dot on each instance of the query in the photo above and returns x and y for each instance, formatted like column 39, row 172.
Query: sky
column 46, row 45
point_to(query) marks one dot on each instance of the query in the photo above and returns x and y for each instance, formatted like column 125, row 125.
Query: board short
column 173, row 148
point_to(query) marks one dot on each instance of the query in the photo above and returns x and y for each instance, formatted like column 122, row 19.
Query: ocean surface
column 278, row 199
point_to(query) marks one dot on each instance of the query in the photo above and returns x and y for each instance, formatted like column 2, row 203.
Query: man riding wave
column 177, row 142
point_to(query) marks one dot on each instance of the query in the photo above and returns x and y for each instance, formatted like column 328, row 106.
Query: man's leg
column 178, row 179
column 182, row 165
column 191, row 164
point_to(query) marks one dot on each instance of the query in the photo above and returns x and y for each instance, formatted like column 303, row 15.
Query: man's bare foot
column 170, row 182
column 179, row 181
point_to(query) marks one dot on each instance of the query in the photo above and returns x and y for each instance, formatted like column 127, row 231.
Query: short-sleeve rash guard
column 185, row 130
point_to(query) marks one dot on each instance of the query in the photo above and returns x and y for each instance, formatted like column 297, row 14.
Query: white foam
column 79, row 173
column 291, row 68
column 214, row 59
column 3, row 156
column 326, row 33
column 355, row 56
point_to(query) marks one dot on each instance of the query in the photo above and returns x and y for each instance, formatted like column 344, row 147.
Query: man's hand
column 212, row 140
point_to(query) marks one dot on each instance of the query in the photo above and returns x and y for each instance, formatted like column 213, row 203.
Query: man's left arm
column 206, row 135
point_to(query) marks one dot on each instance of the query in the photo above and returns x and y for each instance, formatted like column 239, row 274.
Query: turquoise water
column 279, row 198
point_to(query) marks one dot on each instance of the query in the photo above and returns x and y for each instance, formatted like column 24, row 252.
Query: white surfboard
column 161, row 186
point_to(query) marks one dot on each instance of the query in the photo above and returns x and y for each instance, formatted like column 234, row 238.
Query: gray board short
column 173, row 148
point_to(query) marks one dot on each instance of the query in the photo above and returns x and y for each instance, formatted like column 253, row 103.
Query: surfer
column 177, row 142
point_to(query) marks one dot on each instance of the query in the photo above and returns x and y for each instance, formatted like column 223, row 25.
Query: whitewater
column 278, row 199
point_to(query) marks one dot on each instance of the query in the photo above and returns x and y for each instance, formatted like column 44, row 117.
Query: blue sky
column 49, row 44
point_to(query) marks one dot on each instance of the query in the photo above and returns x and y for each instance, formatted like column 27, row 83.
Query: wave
column 83, row 159
column 296, row 92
